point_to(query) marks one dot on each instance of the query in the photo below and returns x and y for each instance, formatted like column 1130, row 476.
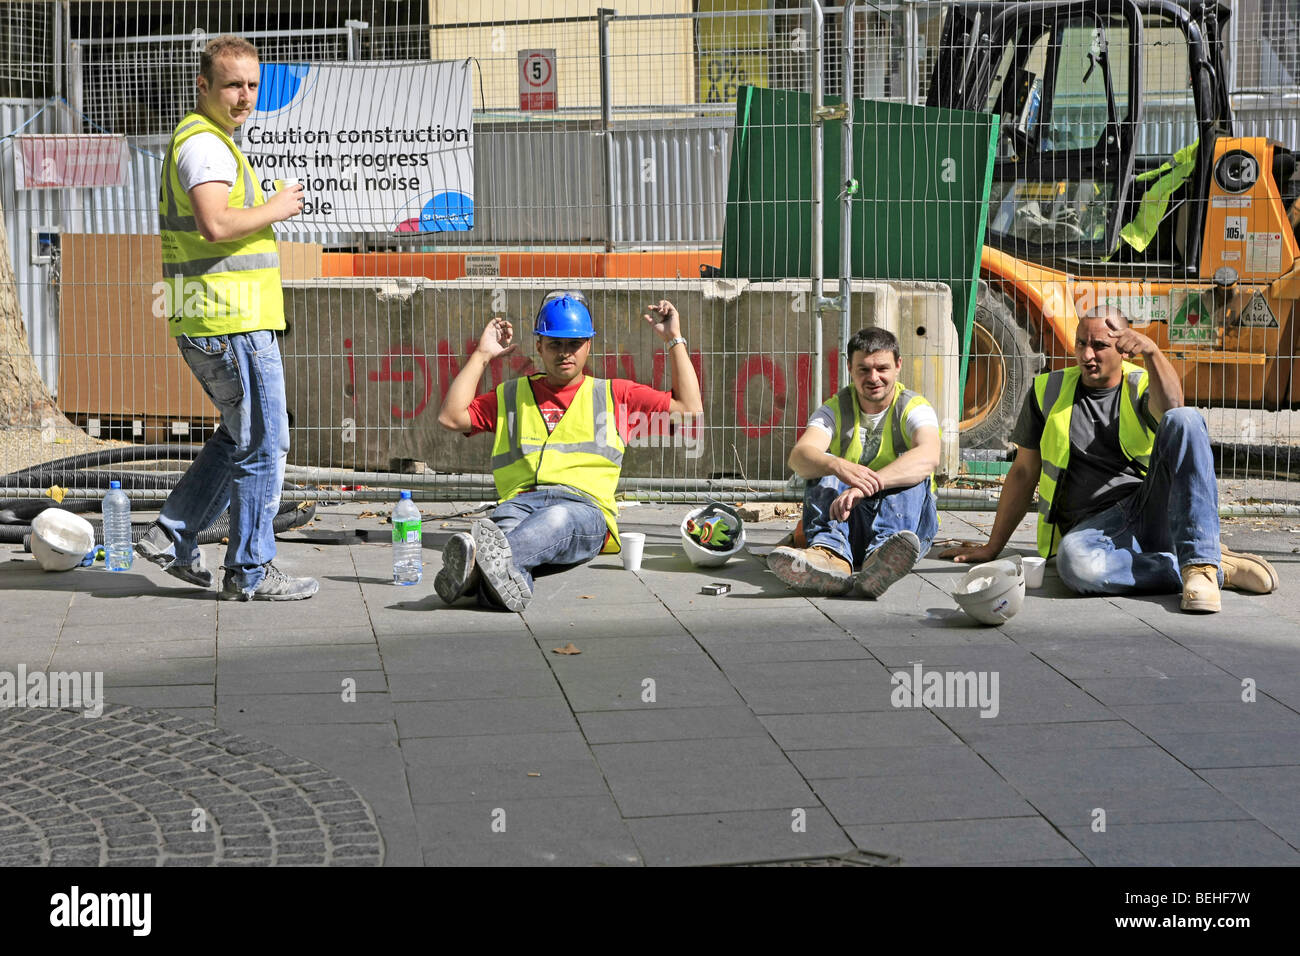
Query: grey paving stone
column 1031, row 696
column 113, row 635
column 467, row 717
column 701, row 789
column 163, row 696
column 738, row 837
column 670, row 723
column 908, row 728
column 951, row 842
column 649, row 758
column 886, row 761
column 990, row 736
column 1267, row 793
column 241, row 710
column 34, row 654
column 1255, row 748
column 486, row 749
column 533, row 779
column 1119, row 768
column 572, row 831
column 813, row 686
column 1150, row 655
column 302, row 682
column 515, row 683
column 428, row 617
column 323, row 634
column 729, row 653
column 625, row 645
column 1227, row 843
column 1253, row 659
column 1118, row 691
column 787, row 623
column 1140, row 803
column 898, row 799
column 160, row 607
column 70, row 655
column 1211, row 717
column 680, row 680
column 1283, row 688
column 443, row 653
column 960, row 657
column 293, row 659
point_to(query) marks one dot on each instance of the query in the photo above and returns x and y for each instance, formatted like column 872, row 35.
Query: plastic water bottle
column 408, row 558
column 117, row 529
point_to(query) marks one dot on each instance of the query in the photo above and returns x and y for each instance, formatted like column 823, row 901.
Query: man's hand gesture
column 497, row 339
column 1127, row 342
column 663, row 318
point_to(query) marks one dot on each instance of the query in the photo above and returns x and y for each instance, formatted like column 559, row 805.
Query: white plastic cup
column 282, row 184
column 633, row 543
column 1034, row 568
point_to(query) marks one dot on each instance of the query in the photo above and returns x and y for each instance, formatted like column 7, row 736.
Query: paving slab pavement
column 693, row 729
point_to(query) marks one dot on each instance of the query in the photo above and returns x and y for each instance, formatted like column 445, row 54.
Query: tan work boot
column 1248, row 572
column 819, row 570
column 1201, row 588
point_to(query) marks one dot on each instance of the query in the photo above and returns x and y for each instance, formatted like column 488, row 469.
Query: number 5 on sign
column 537, row 80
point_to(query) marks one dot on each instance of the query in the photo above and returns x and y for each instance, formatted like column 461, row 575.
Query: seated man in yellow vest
column 869, row 456
column 1127, row 498
column 560, row 436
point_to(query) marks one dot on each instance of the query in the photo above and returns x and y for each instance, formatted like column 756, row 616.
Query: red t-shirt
column 629, row 398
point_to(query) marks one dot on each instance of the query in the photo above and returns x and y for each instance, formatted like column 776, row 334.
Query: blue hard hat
column 564, row 315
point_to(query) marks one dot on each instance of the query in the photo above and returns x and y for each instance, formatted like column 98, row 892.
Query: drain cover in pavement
column 144, row 787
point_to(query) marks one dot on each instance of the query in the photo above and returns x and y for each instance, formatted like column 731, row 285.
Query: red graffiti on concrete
column 386, row 374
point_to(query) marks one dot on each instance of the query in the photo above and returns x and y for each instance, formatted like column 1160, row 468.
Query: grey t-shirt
column 1099, row 473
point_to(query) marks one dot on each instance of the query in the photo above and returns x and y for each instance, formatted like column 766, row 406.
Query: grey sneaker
column 888, row 564
column 274, row 586
column 155, row 546
column 458, row 576
column 497, row 566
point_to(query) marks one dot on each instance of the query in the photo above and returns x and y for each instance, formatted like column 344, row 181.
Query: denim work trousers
column 871, row 521
column 242, row 464
column 1139, row 545
column 549, row 529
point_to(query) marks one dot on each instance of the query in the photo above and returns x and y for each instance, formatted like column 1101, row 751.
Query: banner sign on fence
column 378, row 147
column 62, row 161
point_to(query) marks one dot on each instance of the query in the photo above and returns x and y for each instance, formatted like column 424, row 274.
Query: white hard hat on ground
column 61, row 539
column 992, row 593
column 712, row 534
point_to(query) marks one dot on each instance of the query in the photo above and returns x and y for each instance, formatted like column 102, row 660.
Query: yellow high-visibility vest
column 216, row 288
column 584, row 452
column 846, row 442
column 1055, row 394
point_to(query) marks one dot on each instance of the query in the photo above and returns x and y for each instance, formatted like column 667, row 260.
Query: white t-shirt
column 871, row 428
column 204, row 158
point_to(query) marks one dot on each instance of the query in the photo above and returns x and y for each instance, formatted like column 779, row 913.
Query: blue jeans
column 1139, row 545
column 871, row 520
column 549, row 529
column 242, row 464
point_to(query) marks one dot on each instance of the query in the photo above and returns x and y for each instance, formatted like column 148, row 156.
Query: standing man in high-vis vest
column 869, row 456
column 224, row 305
column 1127, row 498
column 558, row 450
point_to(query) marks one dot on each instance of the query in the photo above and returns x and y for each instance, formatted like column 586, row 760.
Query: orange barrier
column 665, row 264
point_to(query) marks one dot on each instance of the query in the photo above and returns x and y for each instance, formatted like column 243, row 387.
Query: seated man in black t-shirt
column 1127, row 498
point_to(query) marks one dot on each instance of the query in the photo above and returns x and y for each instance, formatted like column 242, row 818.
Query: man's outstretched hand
column 968, row 552
column 497, row 339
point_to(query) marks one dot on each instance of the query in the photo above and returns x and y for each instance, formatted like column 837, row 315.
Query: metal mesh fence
column 600, row 154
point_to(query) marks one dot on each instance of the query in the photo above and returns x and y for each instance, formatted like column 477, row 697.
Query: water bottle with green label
column 408, row 558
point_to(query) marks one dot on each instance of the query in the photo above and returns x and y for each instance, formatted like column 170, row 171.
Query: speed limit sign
column 537, row 79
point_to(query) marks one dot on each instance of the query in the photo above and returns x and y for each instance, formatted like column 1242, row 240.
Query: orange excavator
column 1120, row 179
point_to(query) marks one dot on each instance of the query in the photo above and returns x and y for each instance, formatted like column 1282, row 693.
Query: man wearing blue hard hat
column 558, row 453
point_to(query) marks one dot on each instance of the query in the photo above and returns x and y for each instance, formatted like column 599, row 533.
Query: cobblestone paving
column 147, row 788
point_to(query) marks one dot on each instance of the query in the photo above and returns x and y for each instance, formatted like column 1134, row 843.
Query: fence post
column 847, row 189
column 818, row 189
column 911, row 51
column 605, row 15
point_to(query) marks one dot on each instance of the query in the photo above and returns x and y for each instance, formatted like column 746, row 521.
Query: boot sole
column 1202, row 607
column 492, row 555
column 795, row 571
column 224, row 595
column 167, row 561
column 887, row 565
column 1272, row 572
column 452, row 582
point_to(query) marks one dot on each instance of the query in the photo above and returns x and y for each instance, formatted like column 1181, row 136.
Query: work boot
column 459, row 575
column 890, row 562
column 1201, row 588
column 497, row 566
column 274, row 586
column 1248, row 572
column 816, row 569
column 155, row 546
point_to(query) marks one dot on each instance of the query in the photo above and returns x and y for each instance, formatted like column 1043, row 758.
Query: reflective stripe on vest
column 583, row 452
column 215, row 288
column 1055, row 393
column 846, row 442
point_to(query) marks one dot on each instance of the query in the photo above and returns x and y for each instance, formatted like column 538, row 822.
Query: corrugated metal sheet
column 670, row 182
column 34, row 209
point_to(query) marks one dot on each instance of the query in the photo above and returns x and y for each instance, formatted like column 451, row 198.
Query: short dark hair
column 872, row 340
column 225, row 45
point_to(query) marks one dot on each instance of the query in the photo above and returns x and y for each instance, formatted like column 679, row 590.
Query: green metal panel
column 923, row 173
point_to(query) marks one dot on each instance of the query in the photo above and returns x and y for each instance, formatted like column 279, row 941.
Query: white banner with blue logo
column 379, row 147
